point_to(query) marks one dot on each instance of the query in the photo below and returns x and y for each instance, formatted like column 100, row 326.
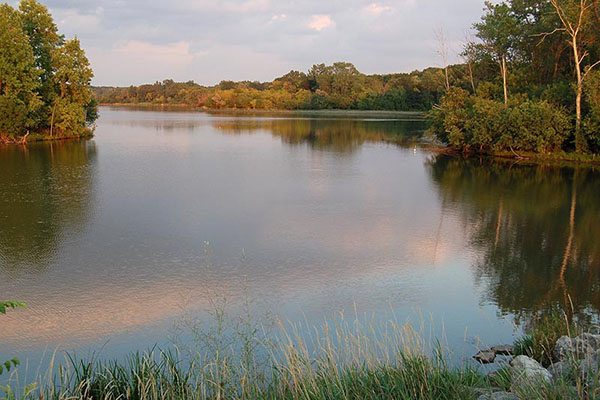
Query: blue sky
column 139, row 41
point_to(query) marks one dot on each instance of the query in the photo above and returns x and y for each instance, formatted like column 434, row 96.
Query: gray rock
column 485, row 356
column 503, row 350
column 559, row 370
column 591, row 340
column 477, row 391
column 569, row 349
column 499, row 396
column 526, row 371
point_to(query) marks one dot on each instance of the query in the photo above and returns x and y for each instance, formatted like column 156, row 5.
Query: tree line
column 533, row 81
column 336, row 86
column 44, row 78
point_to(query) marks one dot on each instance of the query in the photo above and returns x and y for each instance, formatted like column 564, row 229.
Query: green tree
column 73, row 75
column 18, row 75
column 497, row 31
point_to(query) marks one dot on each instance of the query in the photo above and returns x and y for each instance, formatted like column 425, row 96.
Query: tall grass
column 349, row 358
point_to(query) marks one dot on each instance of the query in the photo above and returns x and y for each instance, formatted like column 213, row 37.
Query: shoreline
column 39, row 138
column 524, row 158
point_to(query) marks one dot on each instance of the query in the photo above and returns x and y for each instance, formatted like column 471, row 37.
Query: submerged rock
column 503, row 350
column 485, row 356
column 526, row 371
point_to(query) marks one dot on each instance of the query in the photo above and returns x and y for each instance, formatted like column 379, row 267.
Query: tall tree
column 18, row 75
column 576, row 21
column 73, row 75
column 497, row 32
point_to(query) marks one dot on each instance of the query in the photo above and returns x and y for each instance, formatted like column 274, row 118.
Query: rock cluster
column 573, row 357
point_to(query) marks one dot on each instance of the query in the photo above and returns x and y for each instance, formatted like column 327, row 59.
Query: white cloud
column 320, row 22
column 143, row 40
column 279, row 17
column 377, row 9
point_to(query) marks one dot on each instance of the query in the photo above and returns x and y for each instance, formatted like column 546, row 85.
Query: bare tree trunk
column 444, row 53
column 52, row 119
column 471, row 78
column 573, row 27
column 504, row 83
column 579, row 145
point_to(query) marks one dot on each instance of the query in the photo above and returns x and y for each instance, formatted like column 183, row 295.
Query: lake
column 113, row 242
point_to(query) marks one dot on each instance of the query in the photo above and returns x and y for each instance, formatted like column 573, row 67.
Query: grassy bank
column 346, row 360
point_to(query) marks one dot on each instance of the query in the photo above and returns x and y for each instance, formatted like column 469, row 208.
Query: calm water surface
column 113, row 241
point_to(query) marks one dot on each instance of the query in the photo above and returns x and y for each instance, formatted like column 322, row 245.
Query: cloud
column 279, row 17
column 206, row 39
column 377, row 9
column 320, row 22
column 175, row 53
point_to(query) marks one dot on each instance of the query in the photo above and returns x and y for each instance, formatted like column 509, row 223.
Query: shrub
column 13, row 116
column 467, row 122
column 592, row 120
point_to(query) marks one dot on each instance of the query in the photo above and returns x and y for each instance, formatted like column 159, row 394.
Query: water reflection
column 47, row 192
column 110, row 244
column 342, row 135
column 537, row 229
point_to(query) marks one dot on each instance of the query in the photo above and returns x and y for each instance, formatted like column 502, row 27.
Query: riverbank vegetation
column 353, row 358
column 44, row 78
column 534, row 83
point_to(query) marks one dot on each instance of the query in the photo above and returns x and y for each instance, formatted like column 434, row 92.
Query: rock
column 560, row 370
column 569, row 349
column 591, row 340
column 499, row 396
column 477, row 391
column 503, row 350
column 485, row 356
column 526, row 371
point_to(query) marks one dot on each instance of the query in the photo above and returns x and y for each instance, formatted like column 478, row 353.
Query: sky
column 142, row 41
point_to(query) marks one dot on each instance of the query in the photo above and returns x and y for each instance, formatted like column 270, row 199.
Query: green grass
column 349, row 359
column 541, row 336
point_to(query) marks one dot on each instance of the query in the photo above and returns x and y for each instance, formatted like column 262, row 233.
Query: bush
column 591, row 123
column 13, row 116
column 468, row 122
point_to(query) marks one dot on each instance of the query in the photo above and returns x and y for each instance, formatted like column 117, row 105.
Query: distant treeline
column 337, row 86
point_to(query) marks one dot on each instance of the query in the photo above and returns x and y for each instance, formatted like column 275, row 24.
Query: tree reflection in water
column 46, row 190
column 536, row 229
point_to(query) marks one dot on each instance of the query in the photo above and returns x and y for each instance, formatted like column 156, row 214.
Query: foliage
column 44, row 80
column 592, row 121
column 525, row 37
column 471, row 122
column 337, row 86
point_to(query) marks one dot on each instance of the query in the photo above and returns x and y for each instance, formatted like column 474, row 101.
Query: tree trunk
column 52, row 119
column 470, row 64
column 503, row 67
